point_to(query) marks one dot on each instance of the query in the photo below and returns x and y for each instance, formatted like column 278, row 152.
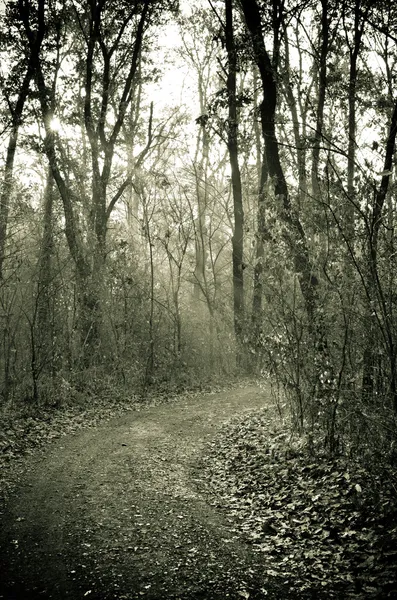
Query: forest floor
column 191, row 499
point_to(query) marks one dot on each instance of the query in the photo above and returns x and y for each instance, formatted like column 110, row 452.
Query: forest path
column 115, row 512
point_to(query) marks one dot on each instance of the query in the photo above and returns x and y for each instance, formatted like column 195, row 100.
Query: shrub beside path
column 116, row 513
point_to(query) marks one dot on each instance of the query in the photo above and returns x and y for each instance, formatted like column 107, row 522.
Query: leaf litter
column 327, row 528
column 321, row 528
column 133, row 524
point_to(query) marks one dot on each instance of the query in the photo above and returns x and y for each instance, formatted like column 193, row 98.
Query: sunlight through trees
column 193, row 192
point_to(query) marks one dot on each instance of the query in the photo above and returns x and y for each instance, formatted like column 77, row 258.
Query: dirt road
column 116, row 513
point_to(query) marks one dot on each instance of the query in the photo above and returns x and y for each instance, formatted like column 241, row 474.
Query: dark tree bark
column 298, row 122
column 16, row 119
column 322, row 86
column 293, row 233
column 374, row 286
column 261, row 235
column 360, row 19
column 9, row 165
column 201, row 171
column 232, row 142
column 45, row 292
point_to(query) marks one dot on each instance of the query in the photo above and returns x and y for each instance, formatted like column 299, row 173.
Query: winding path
column 115, row 513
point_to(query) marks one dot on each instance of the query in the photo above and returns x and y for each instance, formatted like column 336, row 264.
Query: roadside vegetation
column 325, row 527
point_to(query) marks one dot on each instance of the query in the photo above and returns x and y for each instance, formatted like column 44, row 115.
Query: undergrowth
column 326, row 528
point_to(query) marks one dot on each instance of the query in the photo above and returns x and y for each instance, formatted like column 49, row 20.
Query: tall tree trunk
column 6, row 193
column 232, row 138
column 261, row 233
column 7, row 184
column 322, row 86
column 45, row 291
column 149, row 371
column 132, row 199
column 299, row 126
column 381, row 314
column 201, row 171
column 360, row 21
column 261, row 236
column 293, row 232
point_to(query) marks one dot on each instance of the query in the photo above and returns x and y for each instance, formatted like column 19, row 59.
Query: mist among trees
column 190, row 192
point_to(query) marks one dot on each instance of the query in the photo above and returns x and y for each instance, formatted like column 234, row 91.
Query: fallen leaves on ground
column 23, row 434
column 26, row 428
column 326, row 528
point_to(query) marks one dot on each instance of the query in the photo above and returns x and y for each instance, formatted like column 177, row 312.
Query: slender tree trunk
column 360, row 16
column 200, row 222
column 238, row 231
column 6, row 194
column 374, row 284
column 8, row 180
column 351, row 152
column 322, row 86
column 293, row 232
column 45, row 289
column 299, row 124
column 150, row 356
column 261, row 236
column 261, row 232
column 201, row 159
column 132, row 200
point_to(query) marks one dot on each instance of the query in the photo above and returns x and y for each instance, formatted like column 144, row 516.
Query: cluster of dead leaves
column 25, row 428
column 326, row 528
column 24, row 432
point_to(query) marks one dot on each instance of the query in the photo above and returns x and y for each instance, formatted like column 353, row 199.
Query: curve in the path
column 114, row 513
